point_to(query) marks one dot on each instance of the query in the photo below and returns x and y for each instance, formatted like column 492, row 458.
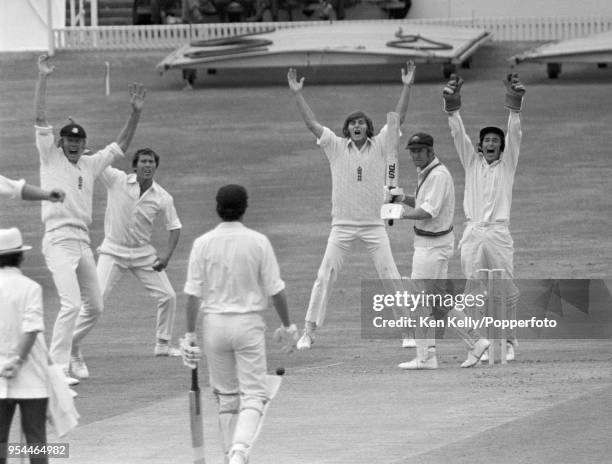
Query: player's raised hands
column 515, row 90
column 44, row 67
column 408, row 73
column 137, row 96
column 452, row 94
column 292, row 79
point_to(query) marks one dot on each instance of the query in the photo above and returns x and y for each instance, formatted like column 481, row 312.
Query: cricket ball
column 280, row 371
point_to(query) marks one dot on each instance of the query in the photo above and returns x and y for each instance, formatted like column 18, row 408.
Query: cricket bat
column 195, row 416
column 391, row 171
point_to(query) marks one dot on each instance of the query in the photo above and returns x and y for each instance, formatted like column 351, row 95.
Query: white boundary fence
column 169, row 36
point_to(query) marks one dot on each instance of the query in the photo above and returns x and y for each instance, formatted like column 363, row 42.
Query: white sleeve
column 463, row 144
column 11, row 188
column 195, row 273
column 104, row 158
column 45, row 143
column 172, row 220
column 270, row 272
column 33, row 320
column 514, row 136
column 329, row 142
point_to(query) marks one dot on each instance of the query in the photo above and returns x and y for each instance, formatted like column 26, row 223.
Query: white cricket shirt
column 11, row 188
column 129, row 217
column 21, row 311
column 77, row 180
column 488, row 187
column 358, row 177
column 436, row 196
column 233, row 269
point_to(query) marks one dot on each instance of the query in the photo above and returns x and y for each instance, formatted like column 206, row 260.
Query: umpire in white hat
column 23, row 381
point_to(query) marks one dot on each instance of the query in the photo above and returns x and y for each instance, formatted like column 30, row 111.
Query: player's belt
column 428, row 233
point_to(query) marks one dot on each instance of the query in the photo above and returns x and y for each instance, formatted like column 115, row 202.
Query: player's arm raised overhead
column 515, row 92
column 40, row 95
column 307, row 114
column 407, row 79
column 451, row 95
column 137, row 98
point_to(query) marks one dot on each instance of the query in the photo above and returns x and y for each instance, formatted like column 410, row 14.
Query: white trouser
column 339, row 244
column 490, row 246
column 110, row 269
column 73, row 267
column 430, row 263
column 235, row 349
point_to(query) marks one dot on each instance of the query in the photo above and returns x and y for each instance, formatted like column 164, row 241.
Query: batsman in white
column 433, row 209
column 489, row 178
column 133, row 203
column 66, row 242
column 357, row 161
column 231, row 276
column 19, row 189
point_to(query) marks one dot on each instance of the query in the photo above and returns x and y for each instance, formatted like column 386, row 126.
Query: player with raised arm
column 358, row 164
column 66, row 242
column 232, row 274
column 489, row 178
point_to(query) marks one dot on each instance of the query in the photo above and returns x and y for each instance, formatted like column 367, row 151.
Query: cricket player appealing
column 133, row 203
column 66, row 242
column 23, row 381
column 357, row 162
column 489, row 178
column 433, row 210
column 231, row 276
column 19, row 189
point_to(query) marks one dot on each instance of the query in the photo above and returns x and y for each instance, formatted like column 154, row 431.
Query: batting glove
column 287, row 336
column 397, row 195
column 515, row 90
column 451, row 94
column 190, row 351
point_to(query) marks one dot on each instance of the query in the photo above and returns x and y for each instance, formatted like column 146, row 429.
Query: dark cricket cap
column 420, row 140
column 232, row 197
column 73, row 130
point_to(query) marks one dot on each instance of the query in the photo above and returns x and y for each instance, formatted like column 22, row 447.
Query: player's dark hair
column 356, row 115
column 144, row 151
column 11, row 260
column 230, row 214
column 232, row 202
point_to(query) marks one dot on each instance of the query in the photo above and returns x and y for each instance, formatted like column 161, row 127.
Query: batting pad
column 391, row 211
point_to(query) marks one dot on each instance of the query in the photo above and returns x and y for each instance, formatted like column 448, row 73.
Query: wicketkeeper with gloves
column 489, row 177
column 232, row 274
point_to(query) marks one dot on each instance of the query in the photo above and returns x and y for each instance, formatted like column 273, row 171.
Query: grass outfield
column 248, row 131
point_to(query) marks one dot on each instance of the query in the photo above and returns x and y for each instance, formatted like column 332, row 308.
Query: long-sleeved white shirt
column 488, row 187
column 11, row 188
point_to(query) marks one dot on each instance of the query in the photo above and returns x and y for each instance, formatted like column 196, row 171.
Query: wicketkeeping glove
column 515, row 90
column 451, row 94
column 190, row 351
column 287, row 336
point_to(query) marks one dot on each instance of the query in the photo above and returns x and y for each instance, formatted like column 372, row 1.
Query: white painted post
column 50, row 38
